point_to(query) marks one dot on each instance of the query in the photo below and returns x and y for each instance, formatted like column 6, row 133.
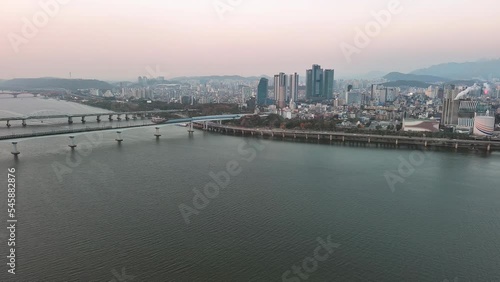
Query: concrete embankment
column 353, row 139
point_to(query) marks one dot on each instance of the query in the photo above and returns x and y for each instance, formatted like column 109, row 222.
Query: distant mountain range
column 455, row 73
column 407, row 83
column 484, row 70
column 368, row 75
column 220, row 77
column 53, row 83
column 397, row 76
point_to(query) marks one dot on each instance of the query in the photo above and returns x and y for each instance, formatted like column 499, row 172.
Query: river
column 211, row 207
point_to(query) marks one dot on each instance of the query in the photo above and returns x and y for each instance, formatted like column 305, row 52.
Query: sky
column 124, row 39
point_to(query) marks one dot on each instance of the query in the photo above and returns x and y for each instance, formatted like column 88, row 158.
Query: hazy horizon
column 120, row 40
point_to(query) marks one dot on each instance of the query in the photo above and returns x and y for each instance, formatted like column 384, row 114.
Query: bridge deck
column 109, row 128
column 91, row 115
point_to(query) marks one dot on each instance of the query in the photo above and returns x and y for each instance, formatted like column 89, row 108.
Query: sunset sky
column 122, row 39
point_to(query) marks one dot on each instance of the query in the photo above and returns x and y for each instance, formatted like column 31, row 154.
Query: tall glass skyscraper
column 309, row 84
column 294, row 87
column 262, row 91
column 319, row 83
column 329, row 81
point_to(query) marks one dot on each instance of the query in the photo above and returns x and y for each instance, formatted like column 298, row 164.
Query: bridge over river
column 110, row 115
column 203, row 120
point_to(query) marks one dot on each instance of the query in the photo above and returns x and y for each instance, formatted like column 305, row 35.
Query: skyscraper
column 450, row 106
column 262, row 91
column 294, row 87
column 349, row 88
column 328, row 77
column 280, row 86
column 319, row 83
column 276, row 86
column 309, row 84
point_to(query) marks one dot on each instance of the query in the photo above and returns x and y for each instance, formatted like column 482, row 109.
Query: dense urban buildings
column 362, row 103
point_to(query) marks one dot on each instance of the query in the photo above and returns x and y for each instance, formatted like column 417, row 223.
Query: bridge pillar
column 98, row 119
column 24, row 123
column 307, row 137
column 8, row 123
column 272, row 133
column 456, row 145
column 15, row 95
column 72, row 144
column 261, row 133
column 15, row 152
column 343, row 138
column 397, row 142
column 190, row 130
column 318, row 136
column 118, row 117
column 369, row 140
column 126, row 117
column 157, row 134
column 488, row 148
column 283, row 135
column 110, row 118
column 134, row 117
column 83, row 119
column 330, row 138
column 294, row 136
column 119, row 136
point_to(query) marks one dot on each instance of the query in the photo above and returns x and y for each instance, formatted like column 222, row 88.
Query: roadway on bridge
column 103, row 114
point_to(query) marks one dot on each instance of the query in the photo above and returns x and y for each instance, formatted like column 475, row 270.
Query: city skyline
column 92, row 39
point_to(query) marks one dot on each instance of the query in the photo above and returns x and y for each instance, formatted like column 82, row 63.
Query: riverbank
column 354, row 138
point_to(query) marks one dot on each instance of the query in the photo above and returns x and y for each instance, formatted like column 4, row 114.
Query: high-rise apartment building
column 276, row 86
column 450, row 106
column 280, row 87
column 381, row 95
